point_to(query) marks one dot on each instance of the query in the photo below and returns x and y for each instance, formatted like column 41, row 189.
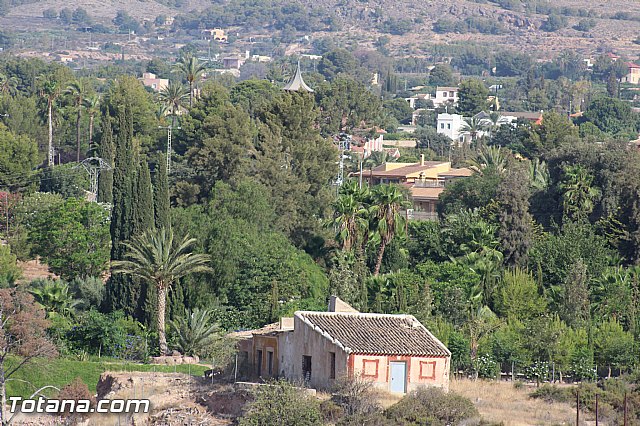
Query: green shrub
column 550, row 393
column 280, row 403
column 90, row 291
column 111, row 335
column 195, row 332
column 486, row 367
column 432, row 406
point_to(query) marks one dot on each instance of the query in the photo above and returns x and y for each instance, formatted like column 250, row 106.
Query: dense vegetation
column 532, row 263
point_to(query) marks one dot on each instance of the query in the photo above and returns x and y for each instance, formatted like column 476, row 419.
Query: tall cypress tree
column 143, row 200
column 106, row 152
column 145, row 306
column 119, row 288
column 515, row 231
column 161, row 207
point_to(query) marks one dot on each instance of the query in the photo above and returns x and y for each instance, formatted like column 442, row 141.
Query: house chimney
column 422, row 159
column 338, row 305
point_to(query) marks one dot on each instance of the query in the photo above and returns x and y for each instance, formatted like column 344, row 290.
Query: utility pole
column 169, row 128
column 361, row 164
column 93, row 166
column 6, row 210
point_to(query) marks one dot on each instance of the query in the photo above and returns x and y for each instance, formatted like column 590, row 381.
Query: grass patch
column 59, row 372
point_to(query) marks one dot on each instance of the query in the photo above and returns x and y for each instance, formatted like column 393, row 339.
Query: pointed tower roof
column 297, row 84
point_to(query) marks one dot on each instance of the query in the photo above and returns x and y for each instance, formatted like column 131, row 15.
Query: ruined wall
column 305, row 341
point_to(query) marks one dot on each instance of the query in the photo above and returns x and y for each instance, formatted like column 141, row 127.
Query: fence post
column 596, row 408
column 513, row 371
column 577, row 407
column 625, row 408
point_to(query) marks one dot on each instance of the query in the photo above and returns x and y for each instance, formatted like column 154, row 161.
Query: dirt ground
column 179, row 399
column 501, row 402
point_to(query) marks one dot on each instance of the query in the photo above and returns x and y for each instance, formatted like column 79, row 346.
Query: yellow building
column 425, row 181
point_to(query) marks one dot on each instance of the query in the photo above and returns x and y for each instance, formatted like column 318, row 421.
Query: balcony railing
column 428, row 183
column 419, row 215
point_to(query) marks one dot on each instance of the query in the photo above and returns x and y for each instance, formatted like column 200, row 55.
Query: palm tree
column 173, row 97
column 490, row 158
column 473, row 126
column 50, row 91
column 92, row 105
column 54, row 298
column 387, row 222
column 195, row 332
column 8, row 85
column 78, row 93
column 482, row 323
column 189, row 66
column 539, row 174
column 349, row 220
column 494, row 121
column 579, row 195
column 160, row 260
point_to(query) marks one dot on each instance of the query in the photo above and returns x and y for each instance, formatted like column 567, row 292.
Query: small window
column 451, row 94
column 449, row 126
column 370, row 368
column 332, row 365
column 306, row 368
column 442, row 125
column 428, row 370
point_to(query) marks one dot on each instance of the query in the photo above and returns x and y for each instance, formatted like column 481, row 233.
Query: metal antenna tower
column 93, row 166
column 343, row 145
column 52, row 156
column 169, row 128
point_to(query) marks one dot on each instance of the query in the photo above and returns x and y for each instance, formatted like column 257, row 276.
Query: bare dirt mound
column 175, row 399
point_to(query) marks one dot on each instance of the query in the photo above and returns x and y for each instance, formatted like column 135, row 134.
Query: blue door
column 398, row 377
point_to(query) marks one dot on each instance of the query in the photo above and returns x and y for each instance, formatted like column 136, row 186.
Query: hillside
column 520, row 30
column 412, row 26
column 105, row 10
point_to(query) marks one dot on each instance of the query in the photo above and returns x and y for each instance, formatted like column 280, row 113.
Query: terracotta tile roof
column 405, row 170
column 463, row 172
column 361, row 333
column 426, row 192
column 522, row 114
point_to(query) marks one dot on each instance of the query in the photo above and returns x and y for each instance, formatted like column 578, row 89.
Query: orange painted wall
column 421, row 371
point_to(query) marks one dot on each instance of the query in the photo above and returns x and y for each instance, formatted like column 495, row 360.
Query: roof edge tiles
column 428, row 345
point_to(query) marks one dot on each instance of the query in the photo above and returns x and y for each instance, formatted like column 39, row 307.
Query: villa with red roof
column 633, row 73
column 425, row 181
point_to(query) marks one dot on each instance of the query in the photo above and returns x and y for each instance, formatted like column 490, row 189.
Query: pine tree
column 106, row 152
column 161, row 207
